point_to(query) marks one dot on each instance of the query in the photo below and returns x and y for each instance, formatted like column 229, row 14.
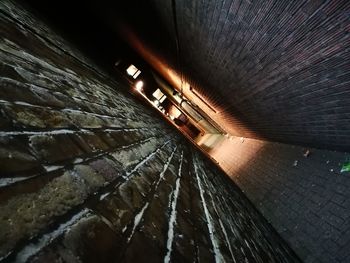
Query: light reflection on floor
column 228, row 151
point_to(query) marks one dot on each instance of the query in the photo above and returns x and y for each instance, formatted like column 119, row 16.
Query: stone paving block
column 85, row 120
column 36, row 117
column 14, row 151
column 94, row 141
column 54, row 148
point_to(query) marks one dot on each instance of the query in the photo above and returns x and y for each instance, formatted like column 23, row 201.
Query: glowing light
column 173, row 111
column 133, row 71
column 159, row 95
column 156, row 102
column 137, row 74
column 139, row 85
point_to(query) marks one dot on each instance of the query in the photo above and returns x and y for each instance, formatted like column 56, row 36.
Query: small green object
column 345, row 168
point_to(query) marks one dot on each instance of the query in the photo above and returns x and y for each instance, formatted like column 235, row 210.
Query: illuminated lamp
column 139, row 85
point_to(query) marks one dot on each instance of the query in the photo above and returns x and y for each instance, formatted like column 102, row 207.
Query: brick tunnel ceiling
column 276, row 70
column 273, row 69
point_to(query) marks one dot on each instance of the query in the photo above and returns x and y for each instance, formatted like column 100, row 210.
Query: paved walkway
column 306, row 199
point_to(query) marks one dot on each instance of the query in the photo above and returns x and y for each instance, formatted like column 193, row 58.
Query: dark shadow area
column 93, row 26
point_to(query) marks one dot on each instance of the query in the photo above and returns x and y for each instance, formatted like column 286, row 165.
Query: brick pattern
column 306, row 199
column 276, row 70
column 89, row 175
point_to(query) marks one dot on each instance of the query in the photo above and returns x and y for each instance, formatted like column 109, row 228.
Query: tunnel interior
column 235, row 148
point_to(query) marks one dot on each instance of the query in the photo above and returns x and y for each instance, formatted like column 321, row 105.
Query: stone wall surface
column 87, row 174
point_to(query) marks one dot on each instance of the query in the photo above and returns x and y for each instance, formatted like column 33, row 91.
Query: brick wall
column 87, row 174
column 276, row 70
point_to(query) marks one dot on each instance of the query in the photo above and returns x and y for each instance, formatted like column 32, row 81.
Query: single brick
column 54, row 148
column 16, row 159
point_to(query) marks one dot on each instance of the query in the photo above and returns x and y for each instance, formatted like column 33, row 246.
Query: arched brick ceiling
column 274, row 69
column 281, row 69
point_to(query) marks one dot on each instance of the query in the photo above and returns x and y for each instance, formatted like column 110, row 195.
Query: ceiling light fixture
column 139, row 85
column 133, row 71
